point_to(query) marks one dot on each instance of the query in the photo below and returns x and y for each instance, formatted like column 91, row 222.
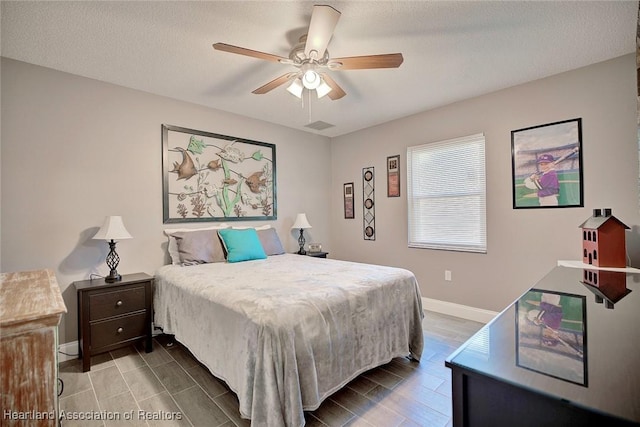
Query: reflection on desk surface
column 609, row 287
column 551, row 335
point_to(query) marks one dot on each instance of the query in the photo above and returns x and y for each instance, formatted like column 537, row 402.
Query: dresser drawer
column 103, row 305
column 118, row 330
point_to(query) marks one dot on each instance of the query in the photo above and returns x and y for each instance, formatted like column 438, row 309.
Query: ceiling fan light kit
column 317, row 83
column 311, row 55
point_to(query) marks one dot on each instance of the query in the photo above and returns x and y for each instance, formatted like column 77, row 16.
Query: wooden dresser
column 31, row 307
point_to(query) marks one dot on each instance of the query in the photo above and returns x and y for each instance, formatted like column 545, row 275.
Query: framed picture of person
column 547, row 165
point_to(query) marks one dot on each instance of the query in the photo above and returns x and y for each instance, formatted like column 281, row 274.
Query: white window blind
column 446, row 195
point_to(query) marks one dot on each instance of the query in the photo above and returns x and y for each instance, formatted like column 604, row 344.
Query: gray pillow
column 199, row 247
column 270, row 241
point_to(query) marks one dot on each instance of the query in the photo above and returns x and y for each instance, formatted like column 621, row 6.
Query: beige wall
column 75, row 150
column 523, row 244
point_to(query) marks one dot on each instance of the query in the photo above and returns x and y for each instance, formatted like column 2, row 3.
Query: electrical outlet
column 447, row 275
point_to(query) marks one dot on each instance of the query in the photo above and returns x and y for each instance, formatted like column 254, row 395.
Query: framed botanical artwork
column 213, row 177
column 393, row 176
column 348, row 200
column 547, row 165
column 551, row 335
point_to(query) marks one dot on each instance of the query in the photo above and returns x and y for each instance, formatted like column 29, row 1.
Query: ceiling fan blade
column 389, row 60
column 278, row 81
column 323, row 21
column 336, row 91
column 248, row 52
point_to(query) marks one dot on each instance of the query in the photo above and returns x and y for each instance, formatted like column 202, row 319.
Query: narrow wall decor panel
column 368, row 201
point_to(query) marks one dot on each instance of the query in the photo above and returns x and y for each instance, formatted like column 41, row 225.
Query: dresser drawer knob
column 119, row 303
column 120, row 330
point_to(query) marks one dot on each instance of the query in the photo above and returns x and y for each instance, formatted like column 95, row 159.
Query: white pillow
column 262, row 227
column 173, row 245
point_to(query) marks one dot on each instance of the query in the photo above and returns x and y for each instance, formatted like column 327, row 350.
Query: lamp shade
column 301, row 222
column 323, row 89
column 112, row 229
column 295, row 88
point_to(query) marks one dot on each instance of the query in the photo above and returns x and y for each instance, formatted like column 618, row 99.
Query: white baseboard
column 68, row 351
column 458, row 310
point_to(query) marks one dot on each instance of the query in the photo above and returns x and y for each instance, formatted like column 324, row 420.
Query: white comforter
column 288, row 331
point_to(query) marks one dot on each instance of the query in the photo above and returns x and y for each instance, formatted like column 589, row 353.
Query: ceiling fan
column 311, row 58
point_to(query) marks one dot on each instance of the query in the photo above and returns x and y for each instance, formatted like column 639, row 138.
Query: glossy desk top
column 574, row 336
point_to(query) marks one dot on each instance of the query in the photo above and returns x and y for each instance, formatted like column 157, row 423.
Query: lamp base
column 301, row 243
column 112, row 262
column 113, row 278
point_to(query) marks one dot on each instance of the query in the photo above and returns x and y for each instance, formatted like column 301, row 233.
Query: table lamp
column 112, row 230
column 301, row 223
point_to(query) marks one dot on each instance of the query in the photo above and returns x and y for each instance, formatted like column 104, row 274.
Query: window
column 446, row 195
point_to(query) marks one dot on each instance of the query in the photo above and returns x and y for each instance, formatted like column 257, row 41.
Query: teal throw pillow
column 242, row 245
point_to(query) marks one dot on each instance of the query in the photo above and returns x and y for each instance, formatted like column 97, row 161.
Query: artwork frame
column 553, row 342
column 393, row 176
column 368, row 203
column 229, row 184
column 348, row 197
column 546, row 163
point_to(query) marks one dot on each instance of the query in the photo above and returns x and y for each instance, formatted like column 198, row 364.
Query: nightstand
column 113, row 315
column 318, row 254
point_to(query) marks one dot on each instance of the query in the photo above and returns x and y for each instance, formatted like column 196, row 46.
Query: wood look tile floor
column 170, row 381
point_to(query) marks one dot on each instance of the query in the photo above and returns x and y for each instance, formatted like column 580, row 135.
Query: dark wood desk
column 564, row 354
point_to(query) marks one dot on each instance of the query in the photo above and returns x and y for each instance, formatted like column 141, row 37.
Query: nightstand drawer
column 103, row 305
column 117, row 330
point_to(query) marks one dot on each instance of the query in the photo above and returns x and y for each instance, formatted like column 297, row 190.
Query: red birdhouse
column 603, row 240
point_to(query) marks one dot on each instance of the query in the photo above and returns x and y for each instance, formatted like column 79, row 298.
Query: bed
column 286, row 331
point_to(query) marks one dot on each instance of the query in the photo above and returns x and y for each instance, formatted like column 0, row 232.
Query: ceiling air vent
column 319, row 125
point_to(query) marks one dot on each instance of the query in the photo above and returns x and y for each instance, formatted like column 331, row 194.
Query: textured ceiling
column 452, row 50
